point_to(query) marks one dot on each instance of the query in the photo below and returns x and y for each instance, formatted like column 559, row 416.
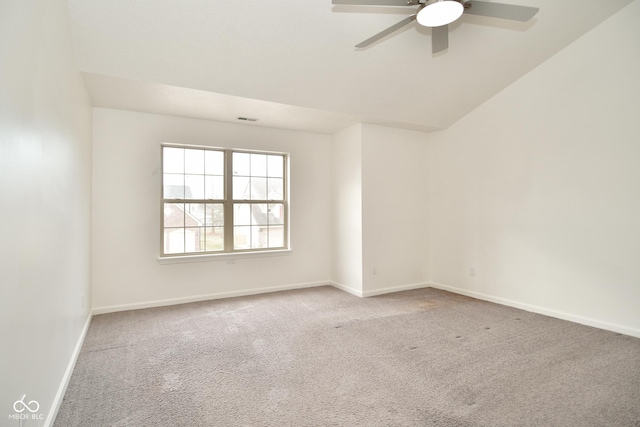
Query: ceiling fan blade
column 376, row 2
column 386, row 32
column 501, row 10
column 439, row 38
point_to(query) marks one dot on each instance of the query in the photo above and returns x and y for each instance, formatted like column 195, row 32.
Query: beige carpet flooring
column 322, row 357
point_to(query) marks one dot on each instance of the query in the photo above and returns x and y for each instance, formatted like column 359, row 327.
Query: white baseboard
column 356, row 292
column 396, row 289
column 374, row 292
column 57, row 401
column 541, row 310
column 197, row 298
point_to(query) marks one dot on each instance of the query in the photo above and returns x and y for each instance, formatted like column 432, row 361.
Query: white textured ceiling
column 292, row 63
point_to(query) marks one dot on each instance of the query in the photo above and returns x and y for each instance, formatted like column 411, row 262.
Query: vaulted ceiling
column 292, row 63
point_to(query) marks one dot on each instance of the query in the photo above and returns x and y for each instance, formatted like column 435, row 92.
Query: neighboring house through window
column 217, row 200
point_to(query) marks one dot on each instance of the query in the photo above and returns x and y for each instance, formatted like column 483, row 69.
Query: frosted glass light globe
column 440, row 13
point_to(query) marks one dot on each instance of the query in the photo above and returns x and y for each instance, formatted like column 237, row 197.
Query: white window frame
column 228, row 202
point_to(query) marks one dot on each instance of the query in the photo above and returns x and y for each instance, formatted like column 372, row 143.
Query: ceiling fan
column 437, row 14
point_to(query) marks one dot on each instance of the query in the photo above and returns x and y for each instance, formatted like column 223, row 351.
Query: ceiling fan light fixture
column 440, row 13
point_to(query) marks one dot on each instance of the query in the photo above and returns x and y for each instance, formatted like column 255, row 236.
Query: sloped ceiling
column 292, row 64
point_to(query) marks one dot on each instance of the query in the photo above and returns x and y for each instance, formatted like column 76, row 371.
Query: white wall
column 126, row 212
column 45, row 184
column 394, row 209
column 346, row 209
column 379, row 209
column 539, row 188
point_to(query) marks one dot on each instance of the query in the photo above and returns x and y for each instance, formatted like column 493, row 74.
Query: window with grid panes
column 218, row 200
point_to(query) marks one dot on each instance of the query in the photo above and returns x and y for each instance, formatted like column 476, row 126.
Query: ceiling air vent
column 248, row 119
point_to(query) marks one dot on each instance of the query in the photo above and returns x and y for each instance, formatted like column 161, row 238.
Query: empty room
column 320, row 213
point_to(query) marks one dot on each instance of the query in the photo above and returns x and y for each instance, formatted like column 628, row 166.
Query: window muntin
column 222, row 201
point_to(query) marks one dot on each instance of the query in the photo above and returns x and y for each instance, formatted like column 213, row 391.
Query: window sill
column 229, row 257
